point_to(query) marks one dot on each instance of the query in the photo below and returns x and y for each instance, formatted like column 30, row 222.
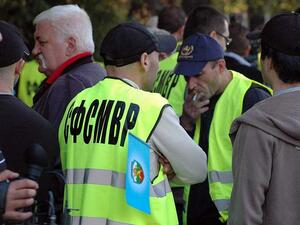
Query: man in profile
column 64, row 49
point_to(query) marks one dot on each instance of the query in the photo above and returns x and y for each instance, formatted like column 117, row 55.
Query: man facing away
column 266, row 139
column 215, row 97
column 20, row 128
column 94, row 136
column 63, row 48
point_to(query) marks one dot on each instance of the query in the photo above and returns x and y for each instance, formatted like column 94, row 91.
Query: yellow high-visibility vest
column 93, row 142
column 29, row 82
column 228, row 107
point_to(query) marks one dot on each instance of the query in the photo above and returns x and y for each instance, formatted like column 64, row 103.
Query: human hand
column 195, row 104
column 167, row 167
column 8, row 175
column 20, row 194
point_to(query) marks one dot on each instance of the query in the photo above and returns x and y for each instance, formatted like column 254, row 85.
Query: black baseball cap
column 195, row 52
column 168, row 42
column 12, row 46
column 253, row 35
column 125, row 43
column 282, row 33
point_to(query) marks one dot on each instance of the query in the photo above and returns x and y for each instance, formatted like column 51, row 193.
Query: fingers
column 21, row 190
column 162, row 159
column 20, row 203
column 195, row 109
column 203, row 110
column 202, row 106
column 195, row 104
column 20, row 194
column 199, row 96
column 171, row 175
column 24, row 184
column 8, row 175
column 16, row 216
column 167, row 168
column 24, row 193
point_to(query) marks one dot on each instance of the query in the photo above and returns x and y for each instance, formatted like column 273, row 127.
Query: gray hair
column 70, row 21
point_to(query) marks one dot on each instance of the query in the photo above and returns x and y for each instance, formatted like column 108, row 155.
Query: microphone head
column 36, row 155
column 37, row 160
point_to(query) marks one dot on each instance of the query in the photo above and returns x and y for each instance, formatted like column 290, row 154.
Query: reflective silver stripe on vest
column 222, row 204
column 94, row 221
column 220, row 176
column 115, row 179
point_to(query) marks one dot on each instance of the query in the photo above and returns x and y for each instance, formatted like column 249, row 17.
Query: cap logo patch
column 186, row 51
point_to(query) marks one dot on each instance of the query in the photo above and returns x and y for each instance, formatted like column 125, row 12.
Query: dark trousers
column 206, row 221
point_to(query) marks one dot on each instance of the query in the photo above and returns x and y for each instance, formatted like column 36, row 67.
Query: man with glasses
column 208, row 90
column 228, row 40
column 207, row 20
column 203, row 19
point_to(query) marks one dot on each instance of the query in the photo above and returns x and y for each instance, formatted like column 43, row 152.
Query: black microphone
column 36, row 160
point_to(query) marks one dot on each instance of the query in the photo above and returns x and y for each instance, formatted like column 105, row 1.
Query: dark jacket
column 20, row 128
column 236, row 63
column 51, row 100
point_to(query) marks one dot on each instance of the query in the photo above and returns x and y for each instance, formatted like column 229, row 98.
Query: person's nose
column 192, row 83
column 36, row 50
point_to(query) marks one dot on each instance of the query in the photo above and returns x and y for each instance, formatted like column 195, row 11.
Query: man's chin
column 43, row 70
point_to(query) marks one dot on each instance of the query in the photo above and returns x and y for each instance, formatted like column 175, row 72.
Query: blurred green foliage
column 104, row 15
column 107, row 13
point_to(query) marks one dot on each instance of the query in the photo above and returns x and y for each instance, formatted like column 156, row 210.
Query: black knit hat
column 12, row 46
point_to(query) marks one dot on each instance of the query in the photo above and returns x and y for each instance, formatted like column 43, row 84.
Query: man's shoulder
column 261, row 110
column 20, row 112
column 254, row 95
column 155, row 97
column 87, row 69
column 84, row 75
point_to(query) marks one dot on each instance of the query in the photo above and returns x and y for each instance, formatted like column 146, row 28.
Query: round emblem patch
column 137, row 172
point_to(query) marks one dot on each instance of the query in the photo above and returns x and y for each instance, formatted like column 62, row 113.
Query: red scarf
column 62, row 67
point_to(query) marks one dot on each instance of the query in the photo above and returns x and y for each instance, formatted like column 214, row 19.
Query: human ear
column 71, row 46
column 19, row 66
column 213, row 34
column 145, row 61
column 221, row 65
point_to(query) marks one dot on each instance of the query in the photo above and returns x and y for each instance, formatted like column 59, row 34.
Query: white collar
column 131, row 83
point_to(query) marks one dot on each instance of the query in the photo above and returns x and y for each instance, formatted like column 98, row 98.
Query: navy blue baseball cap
column 195, row 52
